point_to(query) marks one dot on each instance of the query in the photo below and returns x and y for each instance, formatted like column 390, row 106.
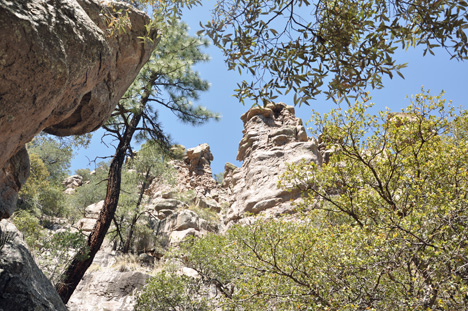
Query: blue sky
column 433, row 72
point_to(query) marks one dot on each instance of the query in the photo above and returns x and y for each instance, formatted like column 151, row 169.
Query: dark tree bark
column 77, row 268
column 141, row 120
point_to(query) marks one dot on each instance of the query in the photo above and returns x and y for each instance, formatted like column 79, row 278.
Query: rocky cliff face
column 273, row 137
column 62, row 71
column 108, row 290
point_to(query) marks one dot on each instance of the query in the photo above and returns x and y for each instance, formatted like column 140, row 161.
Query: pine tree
column 167, row 80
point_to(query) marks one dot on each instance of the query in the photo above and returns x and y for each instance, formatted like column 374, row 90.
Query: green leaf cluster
column 337, row 48
column 134, row 224
column 50, row 160
column 92, row 191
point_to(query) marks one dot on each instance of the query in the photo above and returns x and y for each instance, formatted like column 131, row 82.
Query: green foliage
column 85, row 173
column 205, row 213
column 169, row 292
column 57, row 251
column 43, row 192
column 188, row 196
column 55, row 153
column 383, row 223
column 52, row 251
column 91, row 192
column 36, row 185
column 135, row 223
column 31, row 228
column 178, row 151
column 398, row 180
column 167, row 80
column 335, row 47
column 151, row 159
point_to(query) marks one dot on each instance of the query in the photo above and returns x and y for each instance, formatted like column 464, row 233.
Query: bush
column 171, row 292
column 57, row 251
column 31, row 228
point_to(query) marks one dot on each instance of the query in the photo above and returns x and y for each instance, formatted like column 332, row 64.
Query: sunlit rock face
column 108, row 290
column 62, row 71
column 273, row 137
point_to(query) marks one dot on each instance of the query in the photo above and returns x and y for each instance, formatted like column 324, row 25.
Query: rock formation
column 23, row 286
column 87, row 223
column 71, row 183
column 61, row 70
column 107, row 290
column 273, row 137
column 193, row 174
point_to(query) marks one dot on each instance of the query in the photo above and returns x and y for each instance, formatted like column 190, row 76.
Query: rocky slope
column 61, row 70
column 194, row 204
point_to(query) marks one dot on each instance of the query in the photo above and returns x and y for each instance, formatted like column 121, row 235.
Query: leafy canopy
column 335, row 47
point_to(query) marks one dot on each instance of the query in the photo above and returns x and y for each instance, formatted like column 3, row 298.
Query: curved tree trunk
column 78, row 266
column 81, row 262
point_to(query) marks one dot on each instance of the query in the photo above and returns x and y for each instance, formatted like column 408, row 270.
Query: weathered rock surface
column 194, row 187
column 107, row 291
column 273, row 137
column 87, row 223
column 62, row 71
column 193, row 174
column 73, row 182
column 23, row 286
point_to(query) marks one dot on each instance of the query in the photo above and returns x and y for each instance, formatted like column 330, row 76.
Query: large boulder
column 107, row 290
column 23, row 286
column 73, row 182
column 61, row 70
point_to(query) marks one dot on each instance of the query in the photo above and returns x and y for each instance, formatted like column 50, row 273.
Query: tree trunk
column 77, row 268
column 128, row 241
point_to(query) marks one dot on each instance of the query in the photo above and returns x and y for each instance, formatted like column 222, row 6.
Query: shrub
column 169, row 292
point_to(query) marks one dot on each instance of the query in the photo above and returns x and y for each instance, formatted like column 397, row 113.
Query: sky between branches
column 433, row 72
